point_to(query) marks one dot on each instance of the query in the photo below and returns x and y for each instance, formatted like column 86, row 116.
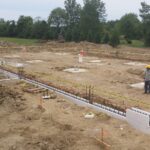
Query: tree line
column 87, row 23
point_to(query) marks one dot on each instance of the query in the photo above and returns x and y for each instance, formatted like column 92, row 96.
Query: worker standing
column 147, row 79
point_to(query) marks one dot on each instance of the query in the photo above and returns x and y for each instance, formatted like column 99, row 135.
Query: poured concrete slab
column 34, row 61
column 132, row 63
column 2, row 62
column 138, row 85
column 75, row 70
column 95, row 61
column 11, row 56
column 13, row 64
column 61, row 54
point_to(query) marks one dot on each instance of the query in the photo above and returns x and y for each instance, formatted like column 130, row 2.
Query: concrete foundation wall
column 85, row 104
column 139, row 119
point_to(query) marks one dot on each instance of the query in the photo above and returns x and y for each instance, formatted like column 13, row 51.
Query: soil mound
column 34, row 113
column 11, row 100
column 6, row 44
column 138, row 72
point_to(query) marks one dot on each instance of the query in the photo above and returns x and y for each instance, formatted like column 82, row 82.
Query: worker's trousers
column 147, row 86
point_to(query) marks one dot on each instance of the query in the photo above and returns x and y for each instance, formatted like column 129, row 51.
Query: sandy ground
column 111, row 77
column 60, row 124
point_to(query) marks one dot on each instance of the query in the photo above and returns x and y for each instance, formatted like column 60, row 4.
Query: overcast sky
column 12, row 9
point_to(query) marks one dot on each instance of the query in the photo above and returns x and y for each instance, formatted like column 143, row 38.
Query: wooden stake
column 86, row 93
column 107, row 146
column 102, row 134
column 90, row 94
column 41, row 102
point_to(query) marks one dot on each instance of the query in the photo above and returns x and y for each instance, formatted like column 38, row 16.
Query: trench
column 75, row 99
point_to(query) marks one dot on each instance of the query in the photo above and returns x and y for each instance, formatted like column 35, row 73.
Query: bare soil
column 111, row 77
column 60, row 125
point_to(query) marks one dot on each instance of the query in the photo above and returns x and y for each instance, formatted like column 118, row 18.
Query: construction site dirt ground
column 61, row 125
column 58, row 124
column 111, row 77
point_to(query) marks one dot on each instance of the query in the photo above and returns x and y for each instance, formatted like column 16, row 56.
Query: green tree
column 106, row 38
column 68, row 34
column 145, row 15
column 76, row 34
column 92, row 15
column 73, row 10
column 114, row 39
column 24, row 26
column 111, row 25
column 11, row 28
column 57, row 19
column 129, row 26
column 40, row 29
column 3, row 27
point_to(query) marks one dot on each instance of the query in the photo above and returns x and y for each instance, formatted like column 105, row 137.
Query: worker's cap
column 147, row 67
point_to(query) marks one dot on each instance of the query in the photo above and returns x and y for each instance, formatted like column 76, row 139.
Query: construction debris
column 49, row 95
column 34, row 90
